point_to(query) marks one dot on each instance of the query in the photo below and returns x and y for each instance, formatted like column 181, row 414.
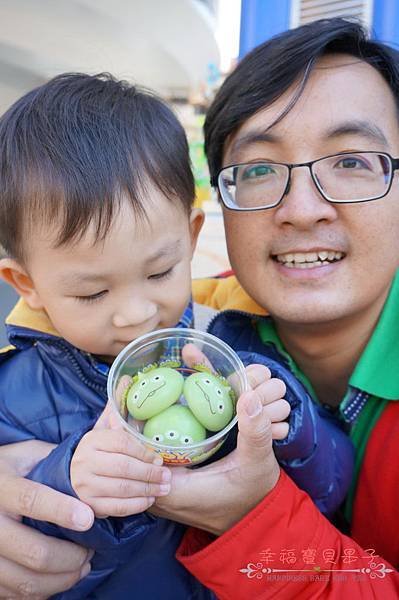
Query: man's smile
column 308, row 260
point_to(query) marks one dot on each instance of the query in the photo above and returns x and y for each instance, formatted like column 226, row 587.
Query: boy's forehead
column 152, row 212
column 160, row 234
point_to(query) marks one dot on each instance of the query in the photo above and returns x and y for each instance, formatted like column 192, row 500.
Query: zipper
column 240, row 313
column 98, row 387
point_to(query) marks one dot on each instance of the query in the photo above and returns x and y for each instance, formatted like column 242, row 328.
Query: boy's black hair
column 73, row 147
column 271, row 68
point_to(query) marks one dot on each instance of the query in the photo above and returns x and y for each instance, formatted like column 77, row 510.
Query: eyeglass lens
column 340, row 178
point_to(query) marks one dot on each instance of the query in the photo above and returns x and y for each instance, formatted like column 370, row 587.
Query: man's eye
column 257, row 170
column 163, row 275
column 92, row 297
column 352, row 162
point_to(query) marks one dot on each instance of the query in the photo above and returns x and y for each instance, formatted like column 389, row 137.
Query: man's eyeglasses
column 340, row 178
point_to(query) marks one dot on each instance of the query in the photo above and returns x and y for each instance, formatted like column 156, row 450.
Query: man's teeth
column 306, row 260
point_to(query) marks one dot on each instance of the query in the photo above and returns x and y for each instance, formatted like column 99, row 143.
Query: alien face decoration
column 209, row 399
column 175, row 426
column 153, row 391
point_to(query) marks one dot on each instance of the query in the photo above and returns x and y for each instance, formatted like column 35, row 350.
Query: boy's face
column 100, row 296
column 346, row 106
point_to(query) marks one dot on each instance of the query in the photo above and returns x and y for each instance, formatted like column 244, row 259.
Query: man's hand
column 216, row 497
column 33, row 565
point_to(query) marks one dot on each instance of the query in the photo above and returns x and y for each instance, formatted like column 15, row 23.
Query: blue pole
column 385, row 25
column 261, row 20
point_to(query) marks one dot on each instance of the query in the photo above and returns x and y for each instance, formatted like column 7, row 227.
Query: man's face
column 102, row 295
column 345, row 106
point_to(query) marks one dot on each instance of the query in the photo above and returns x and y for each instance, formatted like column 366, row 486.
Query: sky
column 228, row 32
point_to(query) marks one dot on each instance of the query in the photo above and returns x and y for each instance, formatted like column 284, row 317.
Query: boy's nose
column 134, row 313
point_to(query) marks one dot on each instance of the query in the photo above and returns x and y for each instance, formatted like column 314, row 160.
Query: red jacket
column 287, row 532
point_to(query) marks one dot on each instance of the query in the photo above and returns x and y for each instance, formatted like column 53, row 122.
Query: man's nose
column 133, row 312
column 303, row 206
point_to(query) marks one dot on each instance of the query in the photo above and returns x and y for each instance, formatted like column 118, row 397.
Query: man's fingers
column 257, row 374
column 31, row 499
column 9, row 594
column 253, row 424
column 194, row 356
column 123, row 384
column 25, row 583
column 23, row 456
column 254, row 443
column 280, row 430
column 278, row 411
column 37, row 551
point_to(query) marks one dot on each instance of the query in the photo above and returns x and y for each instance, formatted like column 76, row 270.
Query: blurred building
column 166, row 45
column 261, row 19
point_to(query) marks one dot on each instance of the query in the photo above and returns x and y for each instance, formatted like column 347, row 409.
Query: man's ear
column 197, row 217
column 13, row 273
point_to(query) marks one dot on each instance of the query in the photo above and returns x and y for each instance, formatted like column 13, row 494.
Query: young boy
column 96, row 218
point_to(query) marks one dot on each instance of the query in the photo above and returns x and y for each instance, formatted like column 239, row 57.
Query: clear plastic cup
column 159, row 348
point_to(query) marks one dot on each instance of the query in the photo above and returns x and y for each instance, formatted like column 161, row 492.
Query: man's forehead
column 342, row 96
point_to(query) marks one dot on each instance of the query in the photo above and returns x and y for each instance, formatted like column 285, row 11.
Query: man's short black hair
column 270, row 69
column 71, row 149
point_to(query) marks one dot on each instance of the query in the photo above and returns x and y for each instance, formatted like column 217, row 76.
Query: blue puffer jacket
column 51, row 391
column 316, row 454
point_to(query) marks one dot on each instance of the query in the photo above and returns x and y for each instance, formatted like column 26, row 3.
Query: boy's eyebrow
column 164, row 252
column 76, row 278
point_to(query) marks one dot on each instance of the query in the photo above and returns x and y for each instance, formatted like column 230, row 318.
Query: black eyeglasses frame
column 394, row 162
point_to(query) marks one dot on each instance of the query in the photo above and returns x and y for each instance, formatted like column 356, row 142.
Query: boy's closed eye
column 102, row 293
column 162, row 275
column 92, row 297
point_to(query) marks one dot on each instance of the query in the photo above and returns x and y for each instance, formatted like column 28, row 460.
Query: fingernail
column 82, row 518
column 164, row 488
column 158, row 461
column 253, row 407
column 85, row 570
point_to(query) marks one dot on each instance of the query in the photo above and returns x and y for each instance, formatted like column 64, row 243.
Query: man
column 302, row 141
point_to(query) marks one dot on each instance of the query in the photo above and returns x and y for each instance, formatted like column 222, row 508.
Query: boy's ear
column 13, row 273
column 197, row 217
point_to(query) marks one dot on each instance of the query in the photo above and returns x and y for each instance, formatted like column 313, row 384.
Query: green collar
column 268, row 334
column 377, row 371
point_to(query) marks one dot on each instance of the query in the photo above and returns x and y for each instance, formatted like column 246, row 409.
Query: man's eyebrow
column 362, row 128
column 253, row 137
column 359, row 128
column 167, row 251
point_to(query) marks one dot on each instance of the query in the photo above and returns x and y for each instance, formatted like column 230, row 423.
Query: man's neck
column 328, row 353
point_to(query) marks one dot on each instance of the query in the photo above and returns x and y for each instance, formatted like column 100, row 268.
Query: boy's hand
column 115, row 474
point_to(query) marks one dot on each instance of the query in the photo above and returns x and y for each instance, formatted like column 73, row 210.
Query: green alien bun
column 175, row 426
column 209, row 400
column 154, row 391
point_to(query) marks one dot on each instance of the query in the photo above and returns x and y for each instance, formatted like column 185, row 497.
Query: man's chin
column 308, row 314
